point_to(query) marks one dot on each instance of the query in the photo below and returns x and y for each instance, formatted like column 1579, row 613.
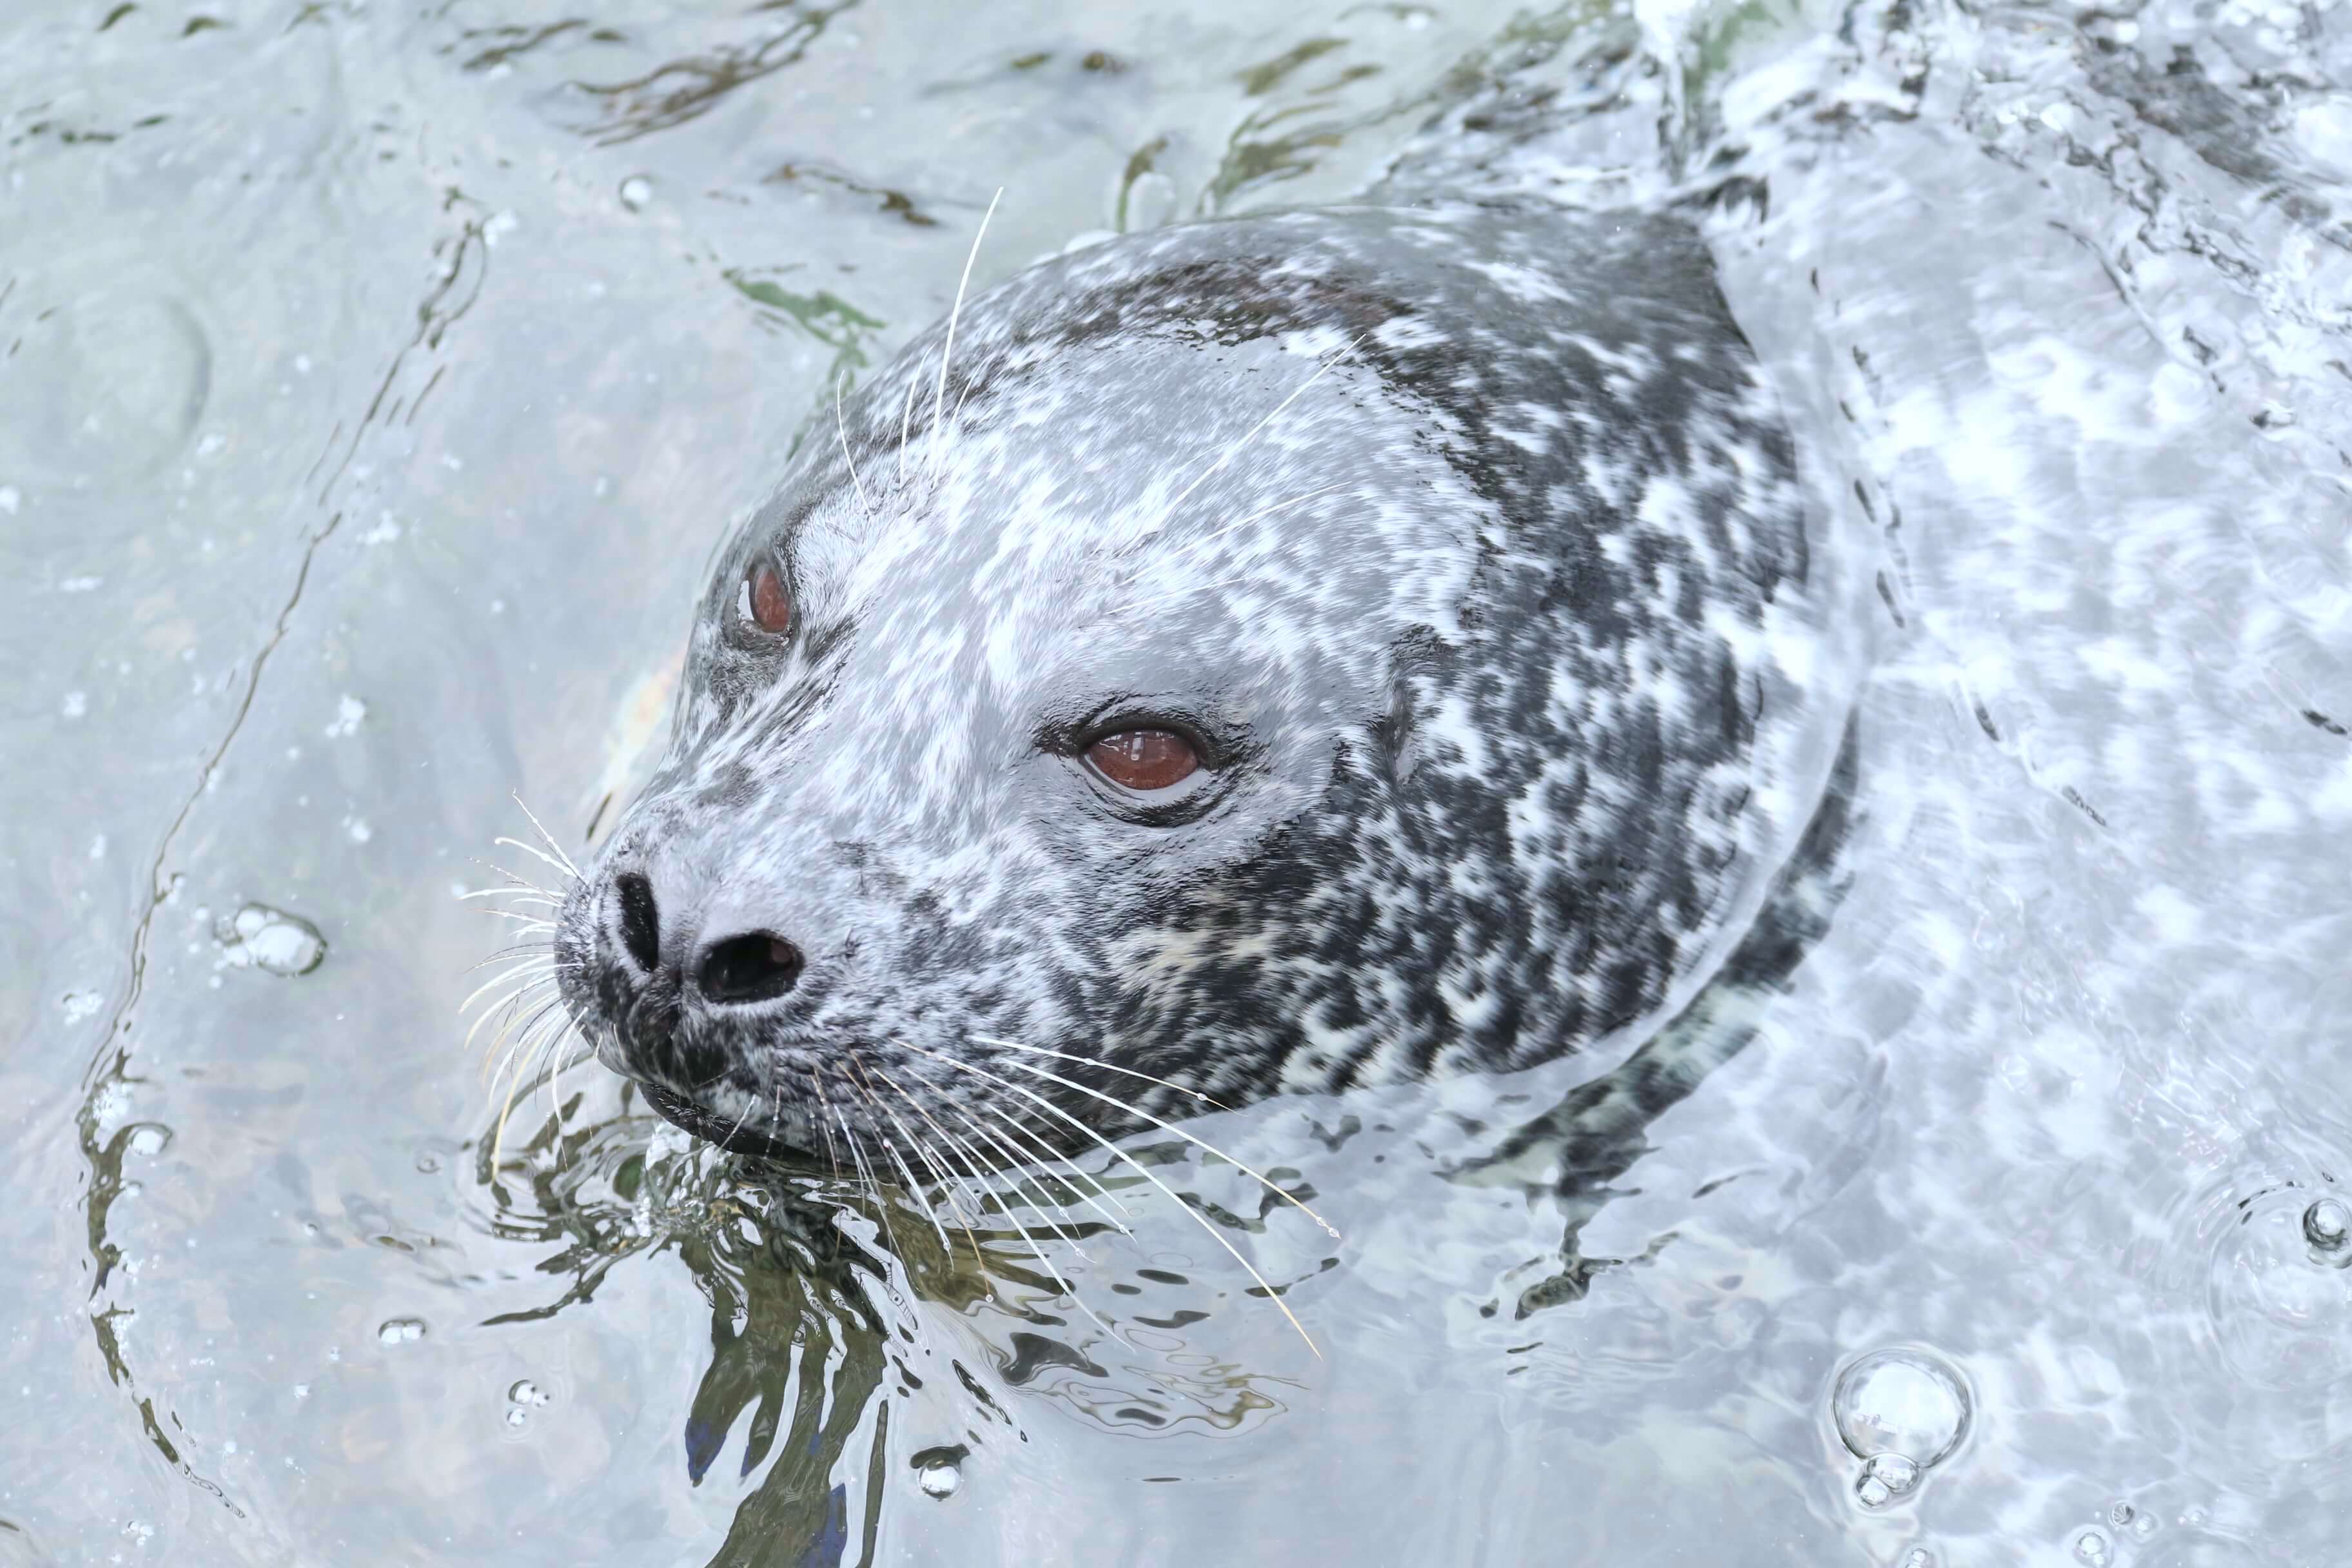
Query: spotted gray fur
column 1467, row 537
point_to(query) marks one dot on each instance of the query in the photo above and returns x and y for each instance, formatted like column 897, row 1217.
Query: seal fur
column 1465, row 540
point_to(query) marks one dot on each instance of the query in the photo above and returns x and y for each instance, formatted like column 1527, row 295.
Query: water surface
column 379, row 379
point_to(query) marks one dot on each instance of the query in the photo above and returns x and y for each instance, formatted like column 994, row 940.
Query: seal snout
column 740, row 969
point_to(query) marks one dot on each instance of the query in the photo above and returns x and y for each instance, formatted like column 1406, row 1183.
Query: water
column 380, row 377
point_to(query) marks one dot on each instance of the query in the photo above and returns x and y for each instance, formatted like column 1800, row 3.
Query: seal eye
column 1143, row 760
column 765, row 602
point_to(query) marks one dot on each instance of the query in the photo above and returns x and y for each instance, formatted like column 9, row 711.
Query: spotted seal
column 1314, row 648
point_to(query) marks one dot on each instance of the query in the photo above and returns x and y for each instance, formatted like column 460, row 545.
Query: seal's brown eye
column 765, row 602
column 1144, row 759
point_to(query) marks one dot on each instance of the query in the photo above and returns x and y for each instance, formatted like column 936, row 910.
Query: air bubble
column 635, row 191
column 401, row 1330
column 1893, row 1471
column 1908, row 1402
column 2120, row 1514
column 258, row 937
column 103, row 388
column 1918, row 1557
column 2327, row 1228
column 526, row 1391
column 2090, row 1547
column 940, row 1471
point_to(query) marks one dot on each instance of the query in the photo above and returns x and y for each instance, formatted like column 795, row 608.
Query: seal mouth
column 723, row 1133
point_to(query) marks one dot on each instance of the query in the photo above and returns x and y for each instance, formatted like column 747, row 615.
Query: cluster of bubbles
column 1900, row 1411
column 522, row 1398
column 258, row 937
column 400, row 1330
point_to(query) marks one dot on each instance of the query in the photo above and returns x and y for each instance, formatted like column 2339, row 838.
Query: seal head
column 1279, row 653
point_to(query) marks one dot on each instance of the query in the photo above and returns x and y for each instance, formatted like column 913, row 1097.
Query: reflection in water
column 832, row 1302
column 831, row 1294
column 2064, row 289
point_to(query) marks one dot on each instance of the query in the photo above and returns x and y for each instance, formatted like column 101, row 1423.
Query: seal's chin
column 721, row 1130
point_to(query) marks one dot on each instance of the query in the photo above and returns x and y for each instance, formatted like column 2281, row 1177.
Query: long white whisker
column 940, row 397
column 917, row 1107
column 915, row 1191
column 552, row 862
column 1241, row 522
column 536, row 895
column 881, row 1203
column 498, row 1134
column 526, row 966
column 1032, row 1139
column 841, row 429
column 1169, row 1127
column 505, row 1011
column 1215, row 1234
column 1233, row 452
column 882, row 1106
column 1017, row 1160
column 551, row 844
column 817, row 1081
column 1110, row 1067
column 906, row 425
column 1072, row 1242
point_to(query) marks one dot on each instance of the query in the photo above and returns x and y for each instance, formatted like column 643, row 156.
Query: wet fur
column 1503, row 635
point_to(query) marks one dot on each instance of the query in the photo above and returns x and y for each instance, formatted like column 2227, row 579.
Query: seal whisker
column 514, row 1038
column 505, row 1011
column 914, row 1189
column 545, row 966
column 842, row 430
column 536, row 895
column 1234, row 450
column 1169, row 1127
column 1031, row 1138
column 873, row 1186
column 1037, row 1138
column 977, row 1185
column 537, row 950
column 1263, row 511
column 1016, row 1159
column 940, row 397
column 552, row 862
column 906, row 425
column 1112, row 1066
column 857, row 1066
column 1045, row 1262
column 832, row 1155
column 498, row 1134
column 529, row 922
column 1198, row 1218
column 549, row 837
column 917, row 1107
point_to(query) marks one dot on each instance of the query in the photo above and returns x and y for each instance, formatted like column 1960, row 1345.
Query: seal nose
column 640, row 920
column 757, row 966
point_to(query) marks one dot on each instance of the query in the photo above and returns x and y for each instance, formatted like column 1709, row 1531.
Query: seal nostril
column 640, row 921
column 754, row 968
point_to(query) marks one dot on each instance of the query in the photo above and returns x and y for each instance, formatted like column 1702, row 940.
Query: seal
column 1323, row 648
